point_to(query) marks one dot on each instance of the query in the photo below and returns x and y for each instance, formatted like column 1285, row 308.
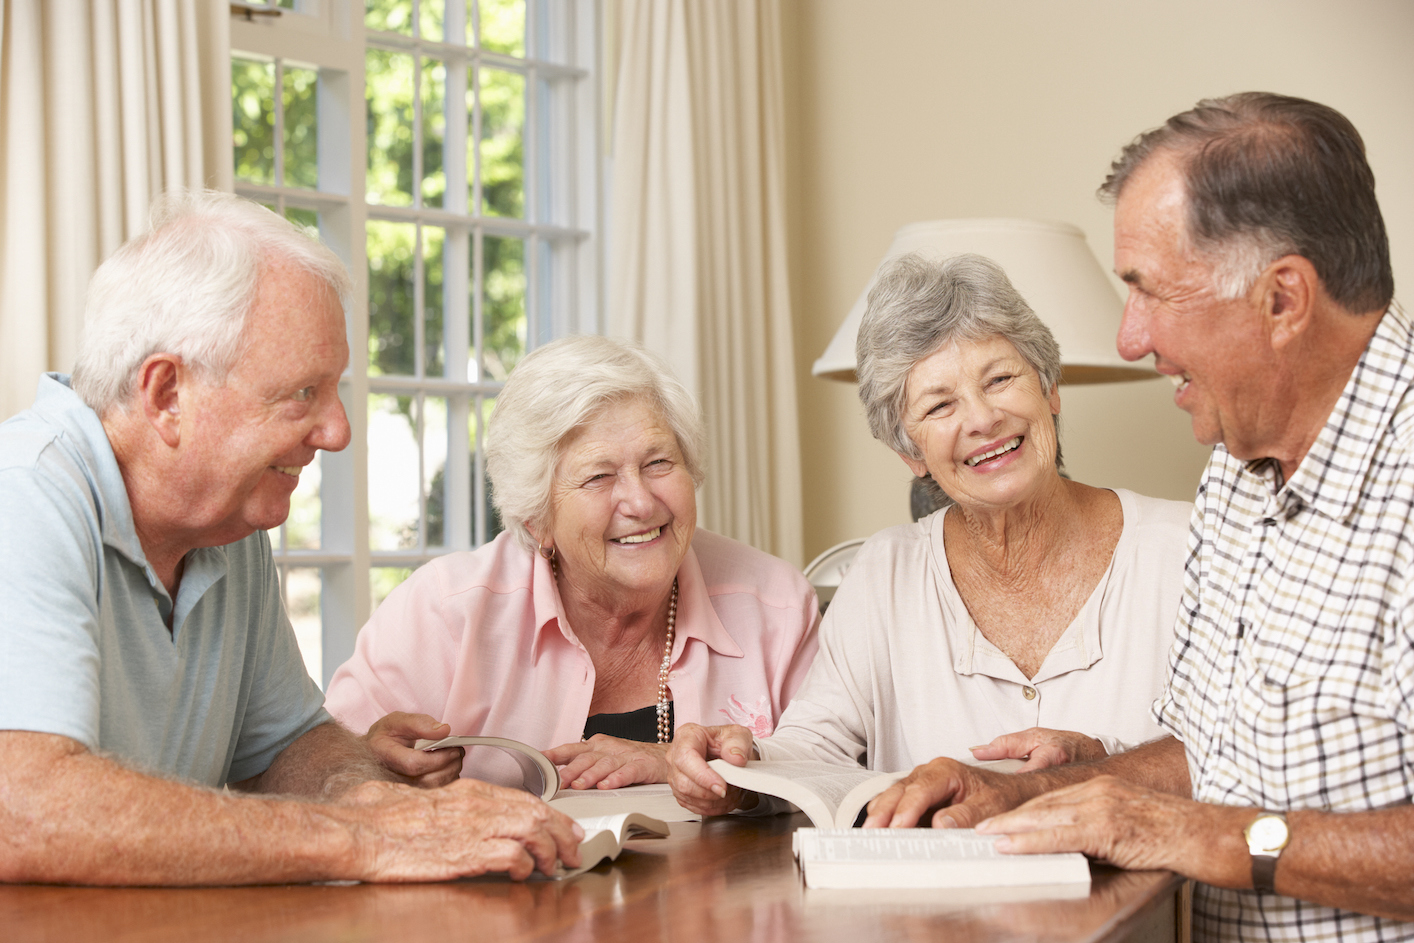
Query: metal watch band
column 1264, row 874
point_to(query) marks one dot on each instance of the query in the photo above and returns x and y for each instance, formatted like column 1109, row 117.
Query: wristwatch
column 1266, row 836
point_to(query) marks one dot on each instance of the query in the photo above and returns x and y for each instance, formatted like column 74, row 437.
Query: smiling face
column 624, row 506
column 248, row 438
column 977, row 412
column 1215, row 350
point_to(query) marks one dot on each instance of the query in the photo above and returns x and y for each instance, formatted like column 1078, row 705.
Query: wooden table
column 728, row 879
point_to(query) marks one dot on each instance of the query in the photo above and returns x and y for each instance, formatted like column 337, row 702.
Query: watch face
column 1268, row 833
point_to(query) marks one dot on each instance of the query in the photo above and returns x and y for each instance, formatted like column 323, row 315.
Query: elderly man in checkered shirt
column 1258, row 269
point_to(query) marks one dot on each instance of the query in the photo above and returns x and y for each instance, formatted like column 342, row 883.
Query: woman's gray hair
column 916, row 307
column 555, row 390
column 186, row 287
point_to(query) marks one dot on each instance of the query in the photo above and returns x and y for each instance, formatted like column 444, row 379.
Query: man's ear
column 158, row 385
column 1287, row 293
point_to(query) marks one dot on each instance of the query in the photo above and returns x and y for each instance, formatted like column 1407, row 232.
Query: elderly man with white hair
column 145, row 657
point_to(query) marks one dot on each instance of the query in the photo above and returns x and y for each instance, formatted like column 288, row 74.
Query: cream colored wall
column 906, row 110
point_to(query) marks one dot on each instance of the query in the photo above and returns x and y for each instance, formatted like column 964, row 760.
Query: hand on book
column 606, row 762
column 466, row 828
column 391, row 739
column 1121, row 823
column 1041, row 747
column 958, row 795
column 695, row 785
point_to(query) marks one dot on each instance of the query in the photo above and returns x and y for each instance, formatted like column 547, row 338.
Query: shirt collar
column 1332, row 472
column 696, row 617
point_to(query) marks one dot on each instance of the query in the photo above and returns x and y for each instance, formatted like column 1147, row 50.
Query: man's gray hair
column 186, row 287
column 555, row 390
column 916, row 307
column 1269, row 175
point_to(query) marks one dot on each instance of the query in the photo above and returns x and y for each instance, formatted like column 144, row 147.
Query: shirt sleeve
column 283, row 703
column 51, row 564
column 829, row 716
column 799, row 660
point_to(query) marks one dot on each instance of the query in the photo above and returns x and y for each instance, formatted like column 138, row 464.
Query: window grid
column 558, row 264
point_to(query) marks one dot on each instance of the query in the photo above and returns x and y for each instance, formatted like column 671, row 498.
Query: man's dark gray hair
column 1270, row 175
column 916, row 307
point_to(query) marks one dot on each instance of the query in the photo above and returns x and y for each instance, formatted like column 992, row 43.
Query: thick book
column 538, row 775
column 932, row 858
column 604, row 838
column 831, row 795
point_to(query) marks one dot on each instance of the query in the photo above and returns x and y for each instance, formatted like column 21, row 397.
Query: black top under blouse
column 640, row 725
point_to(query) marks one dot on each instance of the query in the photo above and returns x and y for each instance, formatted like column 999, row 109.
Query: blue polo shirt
column 85, row 651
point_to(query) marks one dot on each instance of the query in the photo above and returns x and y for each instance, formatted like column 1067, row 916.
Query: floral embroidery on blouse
column 756, row 717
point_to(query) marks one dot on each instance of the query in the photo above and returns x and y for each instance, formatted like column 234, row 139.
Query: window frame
column 329, row 35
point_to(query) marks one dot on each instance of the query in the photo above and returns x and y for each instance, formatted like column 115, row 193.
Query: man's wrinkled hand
column 958, row 795
column 391, row 739
column 1106, row 818
column 695, row 785
column 606, row 762
column 464, row 829
column 1041, row 747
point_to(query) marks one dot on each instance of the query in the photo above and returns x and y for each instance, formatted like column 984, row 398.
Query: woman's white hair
column 185, row 287
column 557, row 389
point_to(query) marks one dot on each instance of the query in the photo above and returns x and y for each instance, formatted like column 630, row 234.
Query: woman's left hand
column 609, row 763
column 1041, row 747
column 391, row 739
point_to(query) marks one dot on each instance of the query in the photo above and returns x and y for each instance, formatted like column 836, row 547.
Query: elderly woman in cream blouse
column 603, row 616
column 1033, row 615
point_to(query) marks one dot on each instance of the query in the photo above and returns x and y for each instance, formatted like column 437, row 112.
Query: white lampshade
column 1053, row 268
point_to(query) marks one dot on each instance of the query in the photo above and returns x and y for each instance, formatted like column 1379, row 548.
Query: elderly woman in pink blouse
column 602, row 616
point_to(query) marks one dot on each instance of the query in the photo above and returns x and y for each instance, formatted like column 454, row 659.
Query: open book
column 831, row 795
column 539, row 776
column 604, row 838
column 927, row 857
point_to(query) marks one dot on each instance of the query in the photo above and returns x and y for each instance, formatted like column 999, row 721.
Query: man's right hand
column 695, row 785
column 962, row 796
column 460, row 830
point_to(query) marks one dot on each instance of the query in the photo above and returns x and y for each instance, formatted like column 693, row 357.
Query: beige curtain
column 102, row 104
column 697, row 260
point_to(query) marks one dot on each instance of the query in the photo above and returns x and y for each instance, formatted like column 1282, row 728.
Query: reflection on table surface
column 729, row 879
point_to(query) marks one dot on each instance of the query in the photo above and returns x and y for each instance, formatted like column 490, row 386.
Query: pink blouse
column 479, row 640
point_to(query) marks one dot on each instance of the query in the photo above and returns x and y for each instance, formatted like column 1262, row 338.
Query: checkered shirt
column 1292, row 670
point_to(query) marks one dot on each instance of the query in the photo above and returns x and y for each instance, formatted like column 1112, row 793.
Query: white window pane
column 394, row 511
column 503, row 26
column 383, row 580
column 302, row 589
column 434, row 467
column 392, row 337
